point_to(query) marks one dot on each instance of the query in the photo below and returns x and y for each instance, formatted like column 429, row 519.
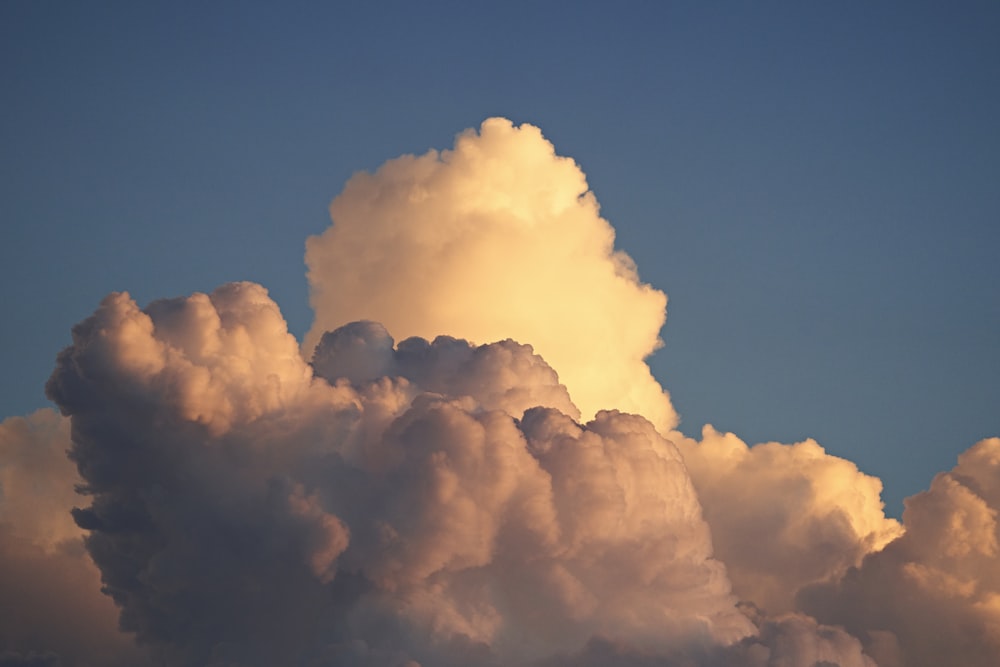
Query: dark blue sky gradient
column 815, row 185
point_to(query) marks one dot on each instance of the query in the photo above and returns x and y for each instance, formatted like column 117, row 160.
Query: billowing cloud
column 931, row 597
column 504, row 375
column 795, row 639
column 407, row 499
column 784, row 516
column 497, row 238
column 515, row 501
column 792, row 640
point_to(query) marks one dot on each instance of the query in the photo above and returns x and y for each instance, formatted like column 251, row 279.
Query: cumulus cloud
column 431, row 501
column 784, row 516
column 932, row 596
column 792, row 640
column 504, row 375
column 795, row 639
column 351, row 500
column 497, row 238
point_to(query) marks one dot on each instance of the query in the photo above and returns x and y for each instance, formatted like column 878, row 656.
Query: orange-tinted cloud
column 442, row 502
column 51, row 603
column 497, row 238
column 784, row 516
column 238, row 496
column 931, row 597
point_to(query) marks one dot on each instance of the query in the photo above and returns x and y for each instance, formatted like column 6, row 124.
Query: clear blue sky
column 815, row 185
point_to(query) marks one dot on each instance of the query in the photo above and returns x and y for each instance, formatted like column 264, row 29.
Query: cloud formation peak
column 496, row 238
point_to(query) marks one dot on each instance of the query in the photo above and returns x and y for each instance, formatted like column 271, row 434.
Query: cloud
column 37, row 481
column 50, row 596
column 791, row 640
column 497, row 238
column 504, row 375
column 402, row 499
column 784, row 516
column 932, row 596
column 519, row 500
column 795, row 639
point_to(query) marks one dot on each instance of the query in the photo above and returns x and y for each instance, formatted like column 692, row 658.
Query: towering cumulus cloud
column 497, row 238
column 520, row 500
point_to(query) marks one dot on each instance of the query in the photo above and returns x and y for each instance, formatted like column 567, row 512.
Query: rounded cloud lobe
column 497, row 238
column 784, row 516
column 931, row 597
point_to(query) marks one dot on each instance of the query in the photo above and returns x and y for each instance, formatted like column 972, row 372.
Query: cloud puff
column 791, row 640
column 497, row 238
column 795, row 639
column 784, row 516
column 401, row 502
column 504, row 375
column 932, row 596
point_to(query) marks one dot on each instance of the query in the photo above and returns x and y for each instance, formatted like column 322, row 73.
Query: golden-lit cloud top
column 496, row 238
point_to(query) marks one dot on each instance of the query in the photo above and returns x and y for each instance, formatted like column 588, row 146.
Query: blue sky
column 815, row 186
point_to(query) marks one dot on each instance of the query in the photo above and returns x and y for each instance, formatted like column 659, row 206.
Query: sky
column 813, row 187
